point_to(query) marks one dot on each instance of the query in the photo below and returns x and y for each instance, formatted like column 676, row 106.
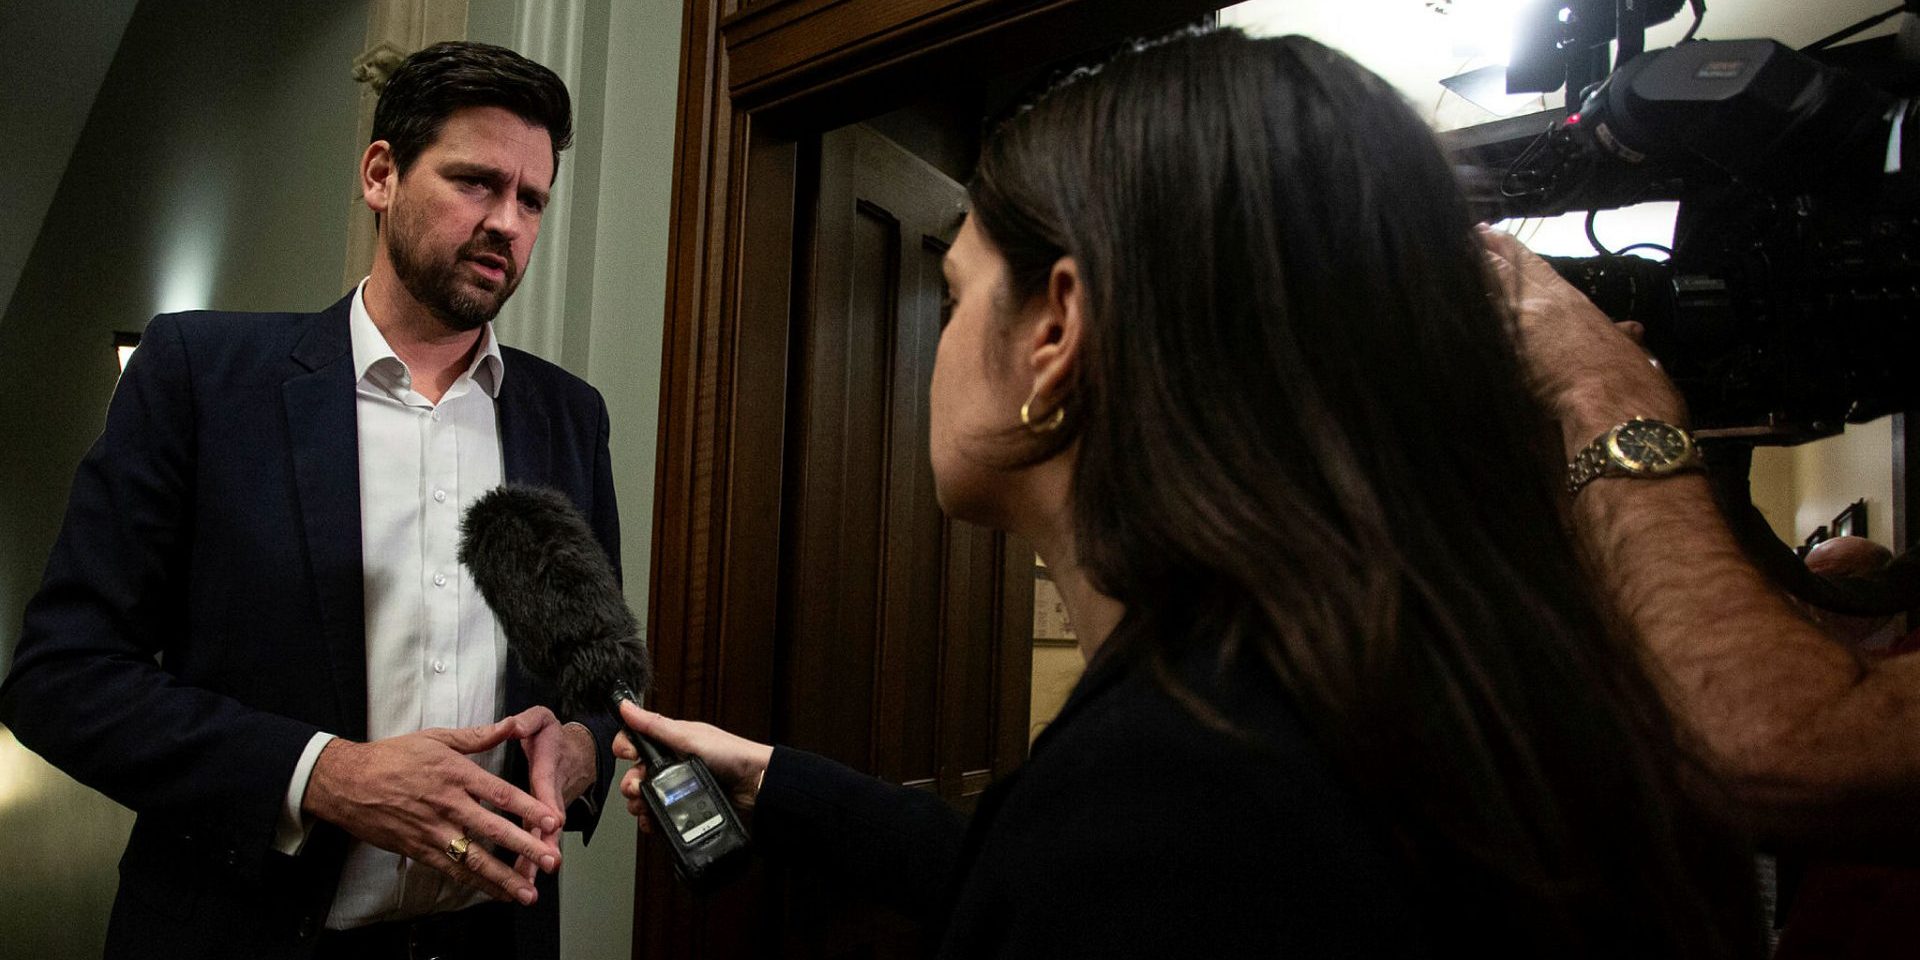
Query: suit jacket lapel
column 526, row 455
column 323, row 429
column 525, row 448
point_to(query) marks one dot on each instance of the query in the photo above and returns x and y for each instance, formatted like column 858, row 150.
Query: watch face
column 1650, row 446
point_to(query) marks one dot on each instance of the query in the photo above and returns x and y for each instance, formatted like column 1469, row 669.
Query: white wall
column 1832, row 473
column 1800, row 489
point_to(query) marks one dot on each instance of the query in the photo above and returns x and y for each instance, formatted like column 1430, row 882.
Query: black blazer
column 215, row 525
column 1134, row 830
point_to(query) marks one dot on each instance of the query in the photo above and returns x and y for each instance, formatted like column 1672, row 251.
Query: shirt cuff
column 291, row 833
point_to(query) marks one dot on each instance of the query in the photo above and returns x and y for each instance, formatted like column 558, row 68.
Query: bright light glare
column 187, row 284
column 194, row 246
column 1566, row 235
column 1410, row 45
column 1483, row 28
column 126, row 353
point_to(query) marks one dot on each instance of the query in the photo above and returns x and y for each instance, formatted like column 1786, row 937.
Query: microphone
column 553, row 590
column 549, row 583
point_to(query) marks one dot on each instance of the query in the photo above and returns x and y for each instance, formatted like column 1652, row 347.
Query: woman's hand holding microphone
column 738, row 763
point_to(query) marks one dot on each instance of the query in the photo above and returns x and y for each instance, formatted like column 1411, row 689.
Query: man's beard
column 437, row 285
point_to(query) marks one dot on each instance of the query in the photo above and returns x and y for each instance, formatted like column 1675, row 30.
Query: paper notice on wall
column 1049, row 611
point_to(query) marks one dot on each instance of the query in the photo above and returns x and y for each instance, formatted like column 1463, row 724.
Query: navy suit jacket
column 202, row 617
column 1136, row 829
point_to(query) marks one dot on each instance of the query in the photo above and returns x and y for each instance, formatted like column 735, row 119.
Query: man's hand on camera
column 1816, row 749
column 1591, row 373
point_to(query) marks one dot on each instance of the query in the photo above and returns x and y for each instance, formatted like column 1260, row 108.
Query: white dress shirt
column 435, row 655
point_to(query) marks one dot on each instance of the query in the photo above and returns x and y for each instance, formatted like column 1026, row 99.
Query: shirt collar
column 370, row 348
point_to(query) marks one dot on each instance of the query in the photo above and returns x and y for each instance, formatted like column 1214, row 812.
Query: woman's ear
column 1054, row 340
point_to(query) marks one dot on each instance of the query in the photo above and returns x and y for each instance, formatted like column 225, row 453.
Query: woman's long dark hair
column 1298, row 401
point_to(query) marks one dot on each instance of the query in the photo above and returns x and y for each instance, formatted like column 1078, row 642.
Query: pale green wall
column 213, row 171
column 619, row 175
column 628, row 296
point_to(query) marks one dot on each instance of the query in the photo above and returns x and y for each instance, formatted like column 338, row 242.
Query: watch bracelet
column 1592, row 461
column 1588, row 464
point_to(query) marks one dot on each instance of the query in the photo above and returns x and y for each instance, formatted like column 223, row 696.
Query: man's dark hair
column 433, row 83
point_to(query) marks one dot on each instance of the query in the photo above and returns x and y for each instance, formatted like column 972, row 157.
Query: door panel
column 892, row 618
column 892, row 612
column 914, row 570
column 758, row 81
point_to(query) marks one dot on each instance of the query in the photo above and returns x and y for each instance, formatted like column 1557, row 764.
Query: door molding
column 756, row 78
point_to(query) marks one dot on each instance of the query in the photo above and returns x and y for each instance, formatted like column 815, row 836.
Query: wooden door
column 802, row 589
column 896, row 657
column 903, row 642
column 901, row 638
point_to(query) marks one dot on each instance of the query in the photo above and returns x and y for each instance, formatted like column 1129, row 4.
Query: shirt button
column 439, row 666
column 436, row 416
column 439, row 579
column 440, row 496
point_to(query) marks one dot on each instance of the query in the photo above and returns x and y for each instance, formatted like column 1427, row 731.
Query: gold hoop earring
column 1045, row 427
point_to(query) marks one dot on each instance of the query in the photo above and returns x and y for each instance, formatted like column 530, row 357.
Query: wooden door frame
column 755, row 78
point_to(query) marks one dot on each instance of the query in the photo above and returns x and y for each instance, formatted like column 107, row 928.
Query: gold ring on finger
column 457, row 848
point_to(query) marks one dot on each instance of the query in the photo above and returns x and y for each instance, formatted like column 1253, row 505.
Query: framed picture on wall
column 1851, row 522
column 1051, row 627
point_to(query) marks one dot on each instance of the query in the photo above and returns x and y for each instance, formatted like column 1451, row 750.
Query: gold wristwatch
column 1637, row 448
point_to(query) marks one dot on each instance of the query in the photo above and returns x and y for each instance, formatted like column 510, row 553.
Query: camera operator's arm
column 1817, row 748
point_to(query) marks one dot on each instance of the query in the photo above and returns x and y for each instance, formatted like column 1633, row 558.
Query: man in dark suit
column 253, row 629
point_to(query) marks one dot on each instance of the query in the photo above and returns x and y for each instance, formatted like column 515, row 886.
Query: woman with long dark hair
column 1224, row 345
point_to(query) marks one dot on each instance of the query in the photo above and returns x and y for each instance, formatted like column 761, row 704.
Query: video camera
column 1787, row 304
